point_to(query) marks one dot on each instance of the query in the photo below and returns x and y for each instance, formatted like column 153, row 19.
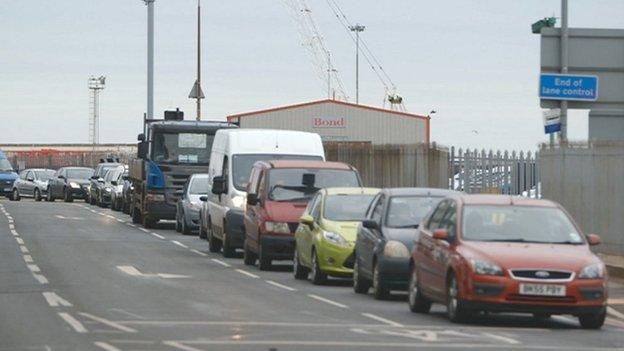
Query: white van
column 234, row 152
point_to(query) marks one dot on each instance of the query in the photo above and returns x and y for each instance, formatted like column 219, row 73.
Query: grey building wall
column 343, row 122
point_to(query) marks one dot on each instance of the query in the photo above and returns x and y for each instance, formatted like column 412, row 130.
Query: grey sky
column 475, row 62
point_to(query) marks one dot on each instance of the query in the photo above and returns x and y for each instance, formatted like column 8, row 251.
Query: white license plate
column 542, row 289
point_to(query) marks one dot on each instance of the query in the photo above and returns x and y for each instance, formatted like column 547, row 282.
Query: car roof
column 308, row 164
column 78, row 168
column 419, row 192
column 38, row 169
column 487, row 199
column 351, row 191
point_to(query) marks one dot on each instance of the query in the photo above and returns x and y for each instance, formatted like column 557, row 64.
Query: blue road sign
column 552, row 128
column 568, row 87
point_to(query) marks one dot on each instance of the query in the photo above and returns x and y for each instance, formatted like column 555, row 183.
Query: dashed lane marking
column 502, row 338
column 11, row 226
column 612, row 311
column 241, row 271
column 24, row 249
column 105, row 346
column 14, row 232
column 73, row 322
column 33, row 268
column 382, row 320
column 224, row 264
column 143, row 230
column 285, row 287
column 111, row 324
column 19, row 240
column 54, row 300
column 41, row 278
column 179, row 244
column 328, row 301
column 120, row 220
column 157, row 235
column 199, row 252
column 28, row 259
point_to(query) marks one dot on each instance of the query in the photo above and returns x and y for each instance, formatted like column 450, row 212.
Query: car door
column 254, row 214
column 19, row 182
column 441, row 253
column 370, row 237
column 60, row 182
column 305, row 234
column 427, row 270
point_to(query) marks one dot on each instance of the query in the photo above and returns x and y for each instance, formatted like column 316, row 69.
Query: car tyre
column 203, row 234
column 185, row 228
column 455, row 310
column 380, row 291
column 178, row 225
column 360, row 284
column 593, row 321
column 228, row 251
column 214, row 244
column 417, row 302
column 49, row 197
column 15, row 196
column 249, row 258
column 300, row 272
column 67, row 196
column 264, row 261
column 135, row 214
column 318, row 277
column 37, row 195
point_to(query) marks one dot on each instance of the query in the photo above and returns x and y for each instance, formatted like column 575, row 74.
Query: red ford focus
column 498, row 253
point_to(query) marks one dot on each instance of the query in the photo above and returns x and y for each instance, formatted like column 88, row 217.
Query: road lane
column 216, row 307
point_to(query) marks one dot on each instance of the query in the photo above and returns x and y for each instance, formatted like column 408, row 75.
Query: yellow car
column 325, row 238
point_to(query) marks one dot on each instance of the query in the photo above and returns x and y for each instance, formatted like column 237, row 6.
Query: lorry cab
column 234, row 153
column 7, row 175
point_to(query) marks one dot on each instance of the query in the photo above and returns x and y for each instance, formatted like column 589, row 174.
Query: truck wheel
column 264, row 261
column 135, row 214
column 249, row 258
column 214, row 244
column 228, row 250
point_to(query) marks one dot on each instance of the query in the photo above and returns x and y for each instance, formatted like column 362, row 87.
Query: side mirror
column 219, row 185
column 203, row 198
column 594, row 239
column 94, row 177
column 307, row 220
column 100, row 180
column 441, row 234
column 142, row 148
column 370, row 224
column 141, row 137
column 114, row 182
column 252, row 199
column 30, row 179
column 61, row 177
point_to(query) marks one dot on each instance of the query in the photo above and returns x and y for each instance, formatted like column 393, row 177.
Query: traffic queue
column 272, row 195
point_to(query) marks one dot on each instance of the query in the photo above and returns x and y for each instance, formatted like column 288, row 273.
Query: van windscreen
column 242, row 164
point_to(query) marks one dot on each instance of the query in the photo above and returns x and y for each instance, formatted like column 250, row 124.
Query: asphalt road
column 77, row 277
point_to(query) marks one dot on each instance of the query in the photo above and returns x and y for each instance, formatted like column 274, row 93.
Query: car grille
column 350, row 261
column 541, row 274
column 293, row 227
column 544, row 299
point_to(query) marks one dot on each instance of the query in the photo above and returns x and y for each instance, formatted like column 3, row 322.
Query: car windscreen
column 300, row 184
column 5, row 165
column 104, row 168
column 187, row 148
column 408, row 211
column 508, row 223
column 199, row 186
column 346, row 207
column 242, row 164
column 45, row 174
column 79, row 173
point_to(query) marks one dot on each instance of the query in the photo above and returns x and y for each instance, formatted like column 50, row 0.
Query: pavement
column 77, row 277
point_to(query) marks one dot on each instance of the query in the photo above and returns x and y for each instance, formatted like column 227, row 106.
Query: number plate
column 542, row 289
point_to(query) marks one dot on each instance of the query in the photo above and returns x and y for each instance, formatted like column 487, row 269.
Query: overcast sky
column 475, row 62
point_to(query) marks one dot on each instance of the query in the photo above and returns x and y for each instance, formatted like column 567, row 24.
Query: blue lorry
column 7, row 175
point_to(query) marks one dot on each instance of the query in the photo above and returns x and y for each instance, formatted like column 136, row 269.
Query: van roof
column 308, row 164
column 261, row 131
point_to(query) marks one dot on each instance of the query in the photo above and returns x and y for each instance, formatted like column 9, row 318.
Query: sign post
column 552, row 123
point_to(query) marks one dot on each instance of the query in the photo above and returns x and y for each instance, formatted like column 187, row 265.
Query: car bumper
column 336, row 260
column 278, row 247
column 235, row 228
column 502, row 294
column 192, row 218
column 78, row 193
column 394, row 272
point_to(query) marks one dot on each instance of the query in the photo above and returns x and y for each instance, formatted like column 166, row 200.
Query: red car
column 499, row 253
column 277, row 194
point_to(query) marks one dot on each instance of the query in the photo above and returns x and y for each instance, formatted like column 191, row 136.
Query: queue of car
column 272, row 195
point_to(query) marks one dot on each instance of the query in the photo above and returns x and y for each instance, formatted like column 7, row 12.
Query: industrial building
column 339, row 121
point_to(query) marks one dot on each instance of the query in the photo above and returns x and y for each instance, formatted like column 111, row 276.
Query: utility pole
column 150, row 58
column 196, row 91
column 357, row 29
column 563, row 134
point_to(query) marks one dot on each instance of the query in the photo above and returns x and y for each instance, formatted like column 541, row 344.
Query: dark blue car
column 7, row 175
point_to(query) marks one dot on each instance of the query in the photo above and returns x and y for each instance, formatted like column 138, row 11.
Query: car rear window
column 347, row 207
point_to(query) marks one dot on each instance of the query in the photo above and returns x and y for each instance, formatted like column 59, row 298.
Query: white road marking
column 280, row 285
column 185, row 344
column 28, row 259
column 501, row 338
column 130, row 224
column 241, row 271
column 24, row 249
column 111, row 217
column 130, row 270
column 54, row 300
column 33, row 268
column 105, row 346
column 322, row 299
column 11, row 226
column 612, row 311
column 41, row 278
column 120, row 220
column 70, row 218
column 14, row 232
column 180, row 345
column 19, row 240
column 179, row 244
column 143, row 230
column 109, row 323
column 382, row 320
column 157, row 235
column 199, row 252
column 73, row 322
column 224, row 264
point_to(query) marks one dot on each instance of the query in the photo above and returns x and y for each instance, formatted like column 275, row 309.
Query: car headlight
column 335, row 238
column 74, row 185
column 396, row 249
column 238, row 201
column 593, row 271
column 277, row 227
column 485, row 268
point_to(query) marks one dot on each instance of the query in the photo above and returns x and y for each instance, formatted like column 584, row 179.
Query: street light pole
column 198, row 57
column 150, row 58
column 563, row 134
column 357, row 29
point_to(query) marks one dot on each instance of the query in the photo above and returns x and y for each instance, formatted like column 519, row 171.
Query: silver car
column 32, row 183
column 189, row 205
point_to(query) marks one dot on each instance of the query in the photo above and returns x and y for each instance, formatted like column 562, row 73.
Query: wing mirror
column 30, row 179
column 61, row 177
column 594, row 239
column 307, row 220
column 252, row 199
column 441, row 234
column 219, row 185
column 370, row 224
column 114, row 182
column 203, row 198
column 100, row 180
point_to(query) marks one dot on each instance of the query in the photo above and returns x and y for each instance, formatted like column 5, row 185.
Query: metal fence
column 414, row 165
column 587, row 179
column 511, row 173
column 54, row 159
